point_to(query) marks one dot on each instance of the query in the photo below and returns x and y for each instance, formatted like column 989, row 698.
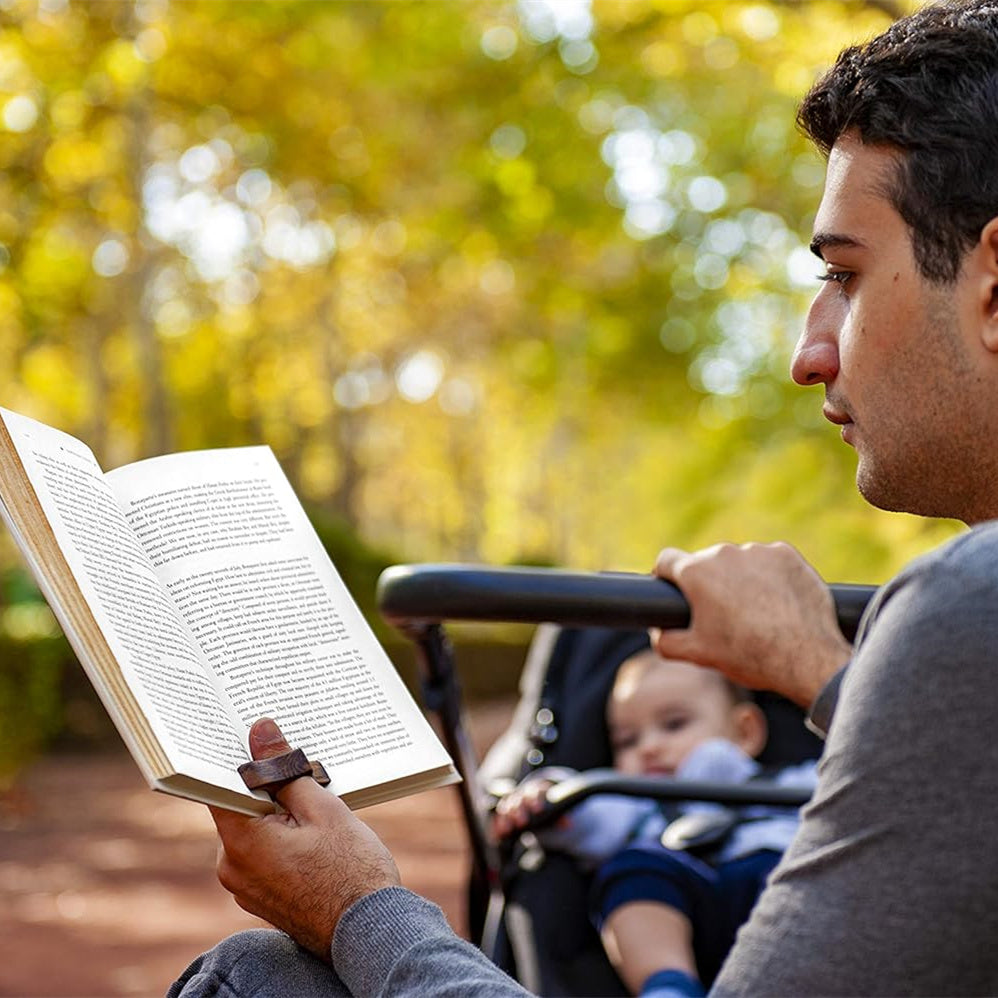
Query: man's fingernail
column 266, row 732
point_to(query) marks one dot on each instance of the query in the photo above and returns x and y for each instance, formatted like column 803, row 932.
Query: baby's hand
column 515, row 809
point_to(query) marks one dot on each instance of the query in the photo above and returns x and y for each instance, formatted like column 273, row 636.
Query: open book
column 198, row 598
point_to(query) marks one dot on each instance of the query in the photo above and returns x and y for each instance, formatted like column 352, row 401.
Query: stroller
column 527, row 909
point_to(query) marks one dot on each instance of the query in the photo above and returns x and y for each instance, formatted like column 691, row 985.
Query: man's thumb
column 266, row 739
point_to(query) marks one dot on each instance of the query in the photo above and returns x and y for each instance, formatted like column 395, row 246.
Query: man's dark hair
column 928, row 86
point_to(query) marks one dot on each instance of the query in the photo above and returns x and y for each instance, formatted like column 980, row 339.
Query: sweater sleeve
column 819, row 718
column 395, row 943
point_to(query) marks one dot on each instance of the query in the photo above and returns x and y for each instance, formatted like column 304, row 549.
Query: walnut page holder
column 277, row 772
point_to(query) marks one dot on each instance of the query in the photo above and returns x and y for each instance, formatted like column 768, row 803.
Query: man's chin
column 880, row 501
column 897, row 495
column 877, row 491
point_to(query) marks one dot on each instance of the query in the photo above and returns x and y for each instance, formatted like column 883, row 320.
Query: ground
column 108, row 889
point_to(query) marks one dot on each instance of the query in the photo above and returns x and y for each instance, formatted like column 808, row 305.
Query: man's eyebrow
column 834, row 240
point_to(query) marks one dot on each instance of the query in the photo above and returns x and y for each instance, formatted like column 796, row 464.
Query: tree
column 495, row 280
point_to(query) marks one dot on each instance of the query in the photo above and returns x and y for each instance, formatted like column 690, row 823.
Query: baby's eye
column 623, row 742
column 676, row 723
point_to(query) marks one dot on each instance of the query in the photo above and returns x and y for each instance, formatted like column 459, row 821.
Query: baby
column 667, row 914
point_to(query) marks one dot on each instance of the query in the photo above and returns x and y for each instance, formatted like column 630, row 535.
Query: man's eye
column 838, row 276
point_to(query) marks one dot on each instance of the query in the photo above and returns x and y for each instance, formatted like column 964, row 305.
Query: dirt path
column 109, row 890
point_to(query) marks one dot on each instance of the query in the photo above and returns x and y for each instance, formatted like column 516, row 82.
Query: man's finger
column 676, row 643
column 665, row 563
column 266, row 740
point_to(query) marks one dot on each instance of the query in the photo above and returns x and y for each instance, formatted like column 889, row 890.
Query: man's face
column 899, row 356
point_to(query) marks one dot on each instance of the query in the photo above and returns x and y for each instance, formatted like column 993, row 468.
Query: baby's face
column 659, row 713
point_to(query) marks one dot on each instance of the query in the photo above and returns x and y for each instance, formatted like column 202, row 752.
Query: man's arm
column 760, row 614
column 320, row 874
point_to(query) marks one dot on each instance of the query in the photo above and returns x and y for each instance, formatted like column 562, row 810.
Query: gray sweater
column 891, row 885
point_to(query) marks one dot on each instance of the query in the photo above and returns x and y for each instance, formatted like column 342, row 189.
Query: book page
column 151, row 642
column 235, row 550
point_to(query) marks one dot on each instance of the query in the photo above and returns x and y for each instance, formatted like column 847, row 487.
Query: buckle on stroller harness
column 700, row 832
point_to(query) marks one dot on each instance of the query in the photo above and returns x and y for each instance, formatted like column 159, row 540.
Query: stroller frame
column 418, row 599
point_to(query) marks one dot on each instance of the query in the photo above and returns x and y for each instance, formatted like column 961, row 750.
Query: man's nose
column 816, row 356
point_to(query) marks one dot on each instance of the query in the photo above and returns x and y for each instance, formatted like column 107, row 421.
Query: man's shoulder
column 973, row 551
column 952, row 580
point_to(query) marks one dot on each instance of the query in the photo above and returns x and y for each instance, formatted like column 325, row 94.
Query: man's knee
column 262, row 963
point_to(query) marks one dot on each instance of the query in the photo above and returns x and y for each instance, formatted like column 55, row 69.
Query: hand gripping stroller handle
column 413, row 597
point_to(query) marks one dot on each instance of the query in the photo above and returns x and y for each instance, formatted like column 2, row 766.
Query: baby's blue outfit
column 620, row 838
column 602, row 826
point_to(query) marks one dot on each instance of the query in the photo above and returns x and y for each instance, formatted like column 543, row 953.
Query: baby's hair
column 636, row 664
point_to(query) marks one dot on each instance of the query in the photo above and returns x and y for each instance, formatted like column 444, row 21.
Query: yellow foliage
column 51, row 373
column 664, row 58
column 126, row 70
column 515, row 177
column 15, row 76
column 319, row 470
column 75, row 161
column 10, row 311
column 311, row 405
column 699, row 27
column 68, row 110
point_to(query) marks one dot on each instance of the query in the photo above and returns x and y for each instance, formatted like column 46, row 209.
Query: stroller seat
column 548, row 941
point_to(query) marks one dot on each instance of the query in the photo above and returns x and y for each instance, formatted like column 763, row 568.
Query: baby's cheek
column 627, row 763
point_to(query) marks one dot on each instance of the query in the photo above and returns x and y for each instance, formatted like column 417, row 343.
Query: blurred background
column 503, row 281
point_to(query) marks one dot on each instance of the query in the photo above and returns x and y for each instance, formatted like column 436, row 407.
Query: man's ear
column 751, row 730
column 988, row 249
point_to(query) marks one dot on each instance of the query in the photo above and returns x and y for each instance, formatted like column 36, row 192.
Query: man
column 891, row 886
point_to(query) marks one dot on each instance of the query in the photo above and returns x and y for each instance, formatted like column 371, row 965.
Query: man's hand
column 759, row 613
column 302, row 869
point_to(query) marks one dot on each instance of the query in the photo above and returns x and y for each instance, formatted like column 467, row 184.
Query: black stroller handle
column 415, row 596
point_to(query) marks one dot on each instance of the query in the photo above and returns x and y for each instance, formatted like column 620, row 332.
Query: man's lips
column 839, row 418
